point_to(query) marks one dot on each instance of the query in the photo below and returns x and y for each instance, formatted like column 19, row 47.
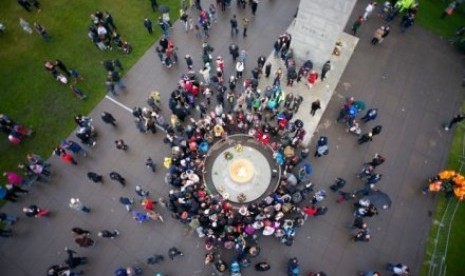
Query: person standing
column 109, row 21
column 25, row 26
column 262, row 266
column 110, row 86
column 72, row 261
column 457, row 118
column 198, row 5
column 34, row 211
column 77, row 92
column 406, row 22
column 115, row 77
column 449, row 10
column 234, row 25
column 141, row 192
column 126, row 202
column 108, row 234
column 76, row 76
column 322, row 147
column 387, row 30
column 254, row 7
column 315, row 106
column 84, row 241
column 174, row 252
column 367, row 137
column 25, row 4
column 239, row 69
column 398, row 269
column 361, row 235
column 96, row 178
column 277, row 79
column 15, row 179
column 357, row 25
column 245, row 25
column 376, row 130
column 108, row 118
column 377, row 36
column 150, row 164
column 189, row 62
column 117, row 177
column 368, row 10
column 312, row 77
column 325, row 70
column 77, row 231
column 371, row 114
column 66, row 157
column 63, row 68
column 154, row 5
column 72, row 146
column 76, row 204
column 42, row 31
column 234, row 51
column 205, row 72
column 267, row 70
column 121, row 145
column 148, row 25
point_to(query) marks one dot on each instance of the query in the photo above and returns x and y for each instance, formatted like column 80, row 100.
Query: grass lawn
column 428, row 17
column 30, row 95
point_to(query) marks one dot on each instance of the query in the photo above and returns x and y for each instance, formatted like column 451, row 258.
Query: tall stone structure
column 318, row 26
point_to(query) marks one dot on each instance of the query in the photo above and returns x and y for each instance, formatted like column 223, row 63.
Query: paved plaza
column 412, row 78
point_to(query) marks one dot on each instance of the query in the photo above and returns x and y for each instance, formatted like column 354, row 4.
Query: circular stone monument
column 241, row 169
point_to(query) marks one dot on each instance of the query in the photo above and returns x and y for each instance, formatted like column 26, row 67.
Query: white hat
column 73, row 200
column 268, row 230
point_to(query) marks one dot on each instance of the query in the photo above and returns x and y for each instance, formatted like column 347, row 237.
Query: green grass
column 29, row 94
column 429, row 17
column 429, row 13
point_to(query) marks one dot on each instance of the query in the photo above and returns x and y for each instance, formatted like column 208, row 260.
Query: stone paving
column 412, row 78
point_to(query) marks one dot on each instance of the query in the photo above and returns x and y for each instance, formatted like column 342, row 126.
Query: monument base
column 322, row 91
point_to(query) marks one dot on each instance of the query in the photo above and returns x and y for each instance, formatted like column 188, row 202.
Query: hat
column 243, row 210
column 279, row 216
column 73, row 200
column 218, row 129
column 268, row 231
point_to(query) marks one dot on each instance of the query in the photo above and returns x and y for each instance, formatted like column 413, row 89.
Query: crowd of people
column 207, row 107
column 14, row 131
column 103, row 33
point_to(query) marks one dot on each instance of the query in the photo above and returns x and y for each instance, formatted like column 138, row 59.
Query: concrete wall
column 317, row 27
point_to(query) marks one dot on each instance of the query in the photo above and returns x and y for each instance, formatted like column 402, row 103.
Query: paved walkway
column 412, row 78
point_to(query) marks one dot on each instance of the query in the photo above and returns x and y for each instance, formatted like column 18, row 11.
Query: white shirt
column 240, row 66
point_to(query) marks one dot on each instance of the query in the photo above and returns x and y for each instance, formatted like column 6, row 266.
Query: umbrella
column 203, row 147
column 163, row 9
column 379, row 199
